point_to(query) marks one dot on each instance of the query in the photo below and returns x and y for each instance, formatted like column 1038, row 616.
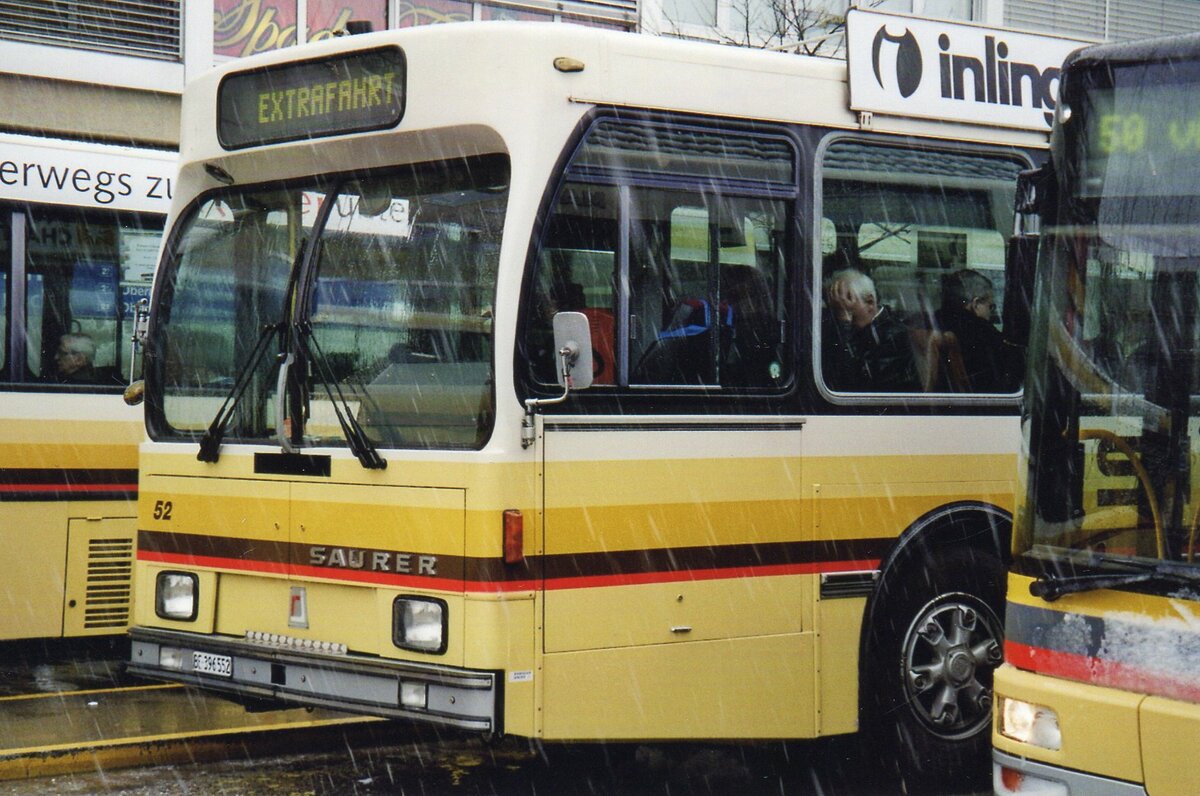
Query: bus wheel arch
column 932, row 635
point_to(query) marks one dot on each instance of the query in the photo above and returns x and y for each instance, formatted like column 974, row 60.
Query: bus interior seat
column 951, row 360
column 602, row 324
column 682, row 352
column 939, row 360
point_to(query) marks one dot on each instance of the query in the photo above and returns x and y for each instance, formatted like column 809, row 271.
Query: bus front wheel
column 929, row 666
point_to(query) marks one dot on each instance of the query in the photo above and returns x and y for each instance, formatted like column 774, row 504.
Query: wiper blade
column 360, row 445
column 1051, row 586
column 210, row 443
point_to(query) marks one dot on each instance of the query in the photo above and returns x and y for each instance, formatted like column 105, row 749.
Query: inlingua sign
column 909, row 66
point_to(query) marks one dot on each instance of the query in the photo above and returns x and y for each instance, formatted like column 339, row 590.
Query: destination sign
column 348, row 93
column 1141, row 139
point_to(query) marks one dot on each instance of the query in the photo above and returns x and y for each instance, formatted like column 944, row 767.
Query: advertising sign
column 85, row 175
column 908, row 66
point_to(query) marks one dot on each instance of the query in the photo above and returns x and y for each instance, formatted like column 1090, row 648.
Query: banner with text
column 909, row 66
column 85, row 175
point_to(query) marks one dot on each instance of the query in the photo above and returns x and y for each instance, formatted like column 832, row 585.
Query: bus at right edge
column 1100, row 692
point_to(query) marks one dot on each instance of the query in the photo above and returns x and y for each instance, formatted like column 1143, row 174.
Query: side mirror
column 573, row 347
column 135, row 393
column 573, row 354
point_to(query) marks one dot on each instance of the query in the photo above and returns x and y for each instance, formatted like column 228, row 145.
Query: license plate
column 207, row 663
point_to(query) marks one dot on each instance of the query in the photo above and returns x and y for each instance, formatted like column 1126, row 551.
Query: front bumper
column 1045, row 779
column 463, row 698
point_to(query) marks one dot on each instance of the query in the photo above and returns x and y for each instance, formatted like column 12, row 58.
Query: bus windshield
column 377, row 288
column 1114, row 388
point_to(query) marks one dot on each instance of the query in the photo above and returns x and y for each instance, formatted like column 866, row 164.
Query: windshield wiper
column 210, row 443
column 1051, row 586
column 360, row 445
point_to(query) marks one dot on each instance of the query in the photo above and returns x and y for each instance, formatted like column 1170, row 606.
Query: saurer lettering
column 373, row 560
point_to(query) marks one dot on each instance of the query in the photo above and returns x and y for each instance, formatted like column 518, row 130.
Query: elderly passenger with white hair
column 865, row 347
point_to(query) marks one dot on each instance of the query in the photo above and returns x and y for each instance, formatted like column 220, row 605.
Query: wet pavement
column 73, row 723
column 463, row 765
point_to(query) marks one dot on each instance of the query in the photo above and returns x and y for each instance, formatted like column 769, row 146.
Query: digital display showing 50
column 1142, row 140
column 310, row 99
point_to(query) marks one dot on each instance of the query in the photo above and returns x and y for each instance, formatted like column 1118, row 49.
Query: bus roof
column 1162, row 48
column 505, row 74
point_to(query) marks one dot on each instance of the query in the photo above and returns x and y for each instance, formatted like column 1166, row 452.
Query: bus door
column 670, row 546
column 671, row 508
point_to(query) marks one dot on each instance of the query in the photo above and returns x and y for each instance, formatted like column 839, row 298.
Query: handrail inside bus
column 1124, row 447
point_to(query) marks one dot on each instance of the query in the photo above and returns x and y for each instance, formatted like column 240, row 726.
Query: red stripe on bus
column 448, row 584
column 1101, row 672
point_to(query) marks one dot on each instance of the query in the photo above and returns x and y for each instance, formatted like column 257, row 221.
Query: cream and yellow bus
column 1101, row 685
column 489, row 383
column 80, row 227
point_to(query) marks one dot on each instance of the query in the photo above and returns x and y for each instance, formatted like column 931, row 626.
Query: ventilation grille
column 146, row 28
column 109, row 583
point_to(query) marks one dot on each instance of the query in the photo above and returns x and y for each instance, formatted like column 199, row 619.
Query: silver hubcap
column 949, row 651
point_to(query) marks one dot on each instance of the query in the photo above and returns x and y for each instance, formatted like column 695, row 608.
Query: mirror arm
column 566, row 358
column 141, row 324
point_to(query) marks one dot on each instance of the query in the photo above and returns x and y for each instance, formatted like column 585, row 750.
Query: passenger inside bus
column 967, row 311
column 74, row 360
column 866, row 347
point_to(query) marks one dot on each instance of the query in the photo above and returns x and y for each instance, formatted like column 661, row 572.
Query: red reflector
column 1011, row 779
column 514, row 536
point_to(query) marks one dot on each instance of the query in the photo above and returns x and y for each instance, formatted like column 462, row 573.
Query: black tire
column 928, row 667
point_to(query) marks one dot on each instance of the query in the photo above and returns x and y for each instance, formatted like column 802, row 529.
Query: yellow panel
column 725, row 608
column 226, row 507
column 79, row 454
column 385, row 518
column 500, row 633
column 739, row 688
column 663, row 522
column 686, row 479
column 839, row 623
column 950, row 471
column 1170, row 730
column 32, row 569
column 344, row 614
column 855, row 510
column 1099, row 725
column 100, row 555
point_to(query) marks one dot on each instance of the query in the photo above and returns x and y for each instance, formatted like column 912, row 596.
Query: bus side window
column 694, row 295
column 576, row 271
column 924, row 231
column 83, row 274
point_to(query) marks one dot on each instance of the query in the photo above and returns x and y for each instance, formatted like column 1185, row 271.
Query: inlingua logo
column 907, row 64
column 982, row 74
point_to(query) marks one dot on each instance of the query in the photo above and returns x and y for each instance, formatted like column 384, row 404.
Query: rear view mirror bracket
column 573, row 352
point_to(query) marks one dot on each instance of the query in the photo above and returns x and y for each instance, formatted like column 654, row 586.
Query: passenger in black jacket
column 865, row 347
column 968, row 306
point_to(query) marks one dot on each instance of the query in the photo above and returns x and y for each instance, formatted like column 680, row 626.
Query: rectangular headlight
column 1036, row 725
column 176, row 595
column 419, row 623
